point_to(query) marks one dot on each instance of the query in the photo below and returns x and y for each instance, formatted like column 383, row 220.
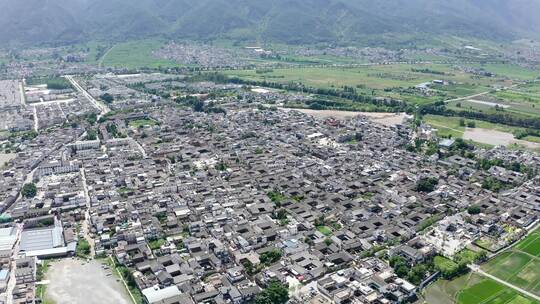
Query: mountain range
column 40, row 22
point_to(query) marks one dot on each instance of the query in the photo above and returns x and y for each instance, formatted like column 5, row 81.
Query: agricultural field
column 518, row 266
column 472, row 289
column 397, row 81
column 520, row 101
column 493, row 134
column 510, row 71
column 135, row 54
column 531, row 244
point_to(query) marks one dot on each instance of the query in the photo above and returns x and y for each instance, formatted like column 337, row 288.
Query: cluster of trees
column 91, row 118
column 267, row 258
column 200, row 106
column 91, row 135
column 474, row 209
column 130, row 279
column 493, row 184
column 83, row 248
column 281, row 216
column 429, row 222
column 426, row 184
column 349, row 93
column 470, row 123
column 270, row 257
column 107, row 98
column 520, row 134
column 451, row 268
column 276, row 197
column 428, row 71
column 29, row 135
column 439, row 108
column 29, row 190
column 53, row 83
column 263, row 71
column 414, row 274
column 113, row 130
column 222, row 166
column 486, row 164
column 275, row 293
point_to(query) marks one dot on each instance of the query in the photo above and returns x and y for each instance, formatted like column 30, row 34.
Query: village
column 217, row 195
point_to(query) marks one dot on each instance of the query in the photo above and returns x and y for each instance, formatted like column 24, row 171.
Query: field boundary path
column 102, row 58
column 476, row 268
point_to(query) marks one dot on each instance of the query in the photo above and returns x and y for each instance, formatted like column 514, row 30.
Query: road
column 99, row 105
column 477, row 269
column 483, row 93
column 139, row 147
column 467, row 97
column 86, row 222
column 36, row 121
column 12, row 280
column 21, row 91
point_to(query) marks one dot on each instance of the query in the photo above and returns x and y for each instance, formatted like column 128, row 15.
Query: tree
column 29, row 190
column 270, row 257
column 492, row 184
column 401, row 268
column 91, row 118
column 462, row 122
column 198, row 106
column 417, row 274
column 222, row 166
column 275, row 293
column 426, row 184
column 91, row 135
column 281, row 214
column 471, row 124
column 474, row 210
column 107, row 98
column 83, row 248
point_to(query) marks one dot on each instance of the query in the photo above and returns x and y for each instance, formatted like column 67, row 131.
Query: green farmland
column 396, row 81
column 519, row 266
column 135, row 54
column 531, row 244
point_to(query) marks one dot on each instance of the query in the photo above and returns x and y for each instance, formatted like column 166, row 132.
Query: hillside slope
column 33, row 22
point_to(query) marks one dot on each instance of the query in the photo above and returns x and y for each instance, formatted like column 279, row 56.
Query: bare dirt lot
column 5, row 158
column 387, row 119
column 74, row 281
column 496, row 138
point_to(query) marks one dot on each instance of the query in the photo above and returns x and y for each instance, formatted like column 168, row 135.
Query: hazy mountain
column 289, row 21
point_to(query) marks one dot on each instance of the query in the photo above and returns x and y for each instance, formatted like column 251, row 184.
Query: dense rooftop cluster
column 229, row 206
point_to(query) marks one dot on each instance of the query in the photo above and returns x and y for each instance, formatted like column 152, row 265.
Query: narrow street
column 36, row 121
column 14, row 254
column 86, row 223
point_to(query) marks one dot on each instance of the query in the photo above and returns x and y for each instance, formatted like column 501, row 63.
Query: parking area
column 74, row 281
